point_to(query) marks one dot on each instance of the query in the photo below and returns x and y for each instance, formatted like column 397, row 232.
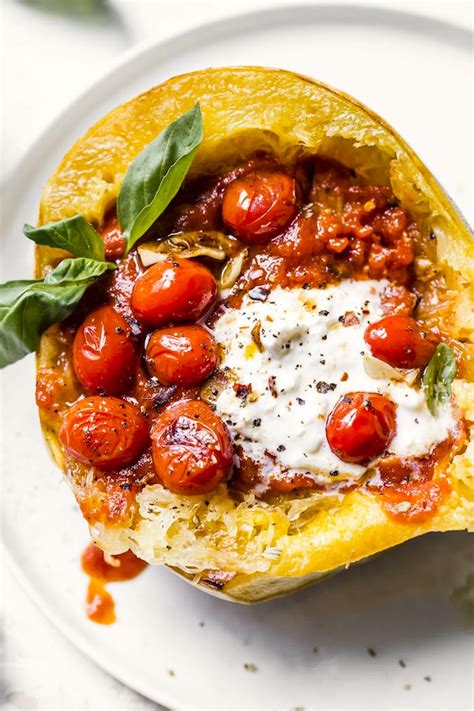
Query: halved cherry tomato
column 104, row 431
column 192, row 450
column 173, row 290
column 103, row 353
column 181, row 355
column 260, row 205
column 114, row 240
column 401, row 342
column 361, row 426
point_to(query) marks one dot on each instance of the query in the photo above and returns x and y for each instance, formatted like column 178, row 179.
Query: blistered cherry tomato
column 103, row 353
column 260, row 205
column 181, row 355
column 401, row 342
column 106, row 432
column 192, row 450
column 173, row 290
column 114, row 240
column 361, row 426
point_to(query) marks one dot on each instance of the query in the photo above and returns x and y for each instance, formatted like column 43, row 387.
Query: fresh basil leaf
column 438, row 377
column 12, row 290
column 156, row 174
column 76, row 270
column 29, row 307
column 75, row 235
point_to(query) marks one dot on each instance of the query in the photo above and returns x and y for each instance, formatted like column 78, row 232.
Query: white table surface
column 46, row 61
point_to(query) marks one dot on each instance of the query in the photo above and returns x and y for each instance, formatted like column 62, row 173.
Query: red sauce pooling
column 49, row 386
column 414, row 502
column 345, row 231
column 412, row 489
column 100, row 606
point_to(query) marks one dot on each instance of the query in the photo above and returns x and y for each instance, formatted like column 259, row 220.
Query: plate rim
column 81, row 104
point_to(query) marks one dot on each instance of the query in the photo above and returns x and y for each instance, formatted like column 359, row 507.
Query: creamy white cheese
column 305, row 360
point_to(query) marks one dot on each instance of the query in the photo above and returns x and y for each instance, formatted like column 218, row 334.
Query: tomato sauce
column 412, row 489
column 100, row 606
column 49, row 386
column 343, row 229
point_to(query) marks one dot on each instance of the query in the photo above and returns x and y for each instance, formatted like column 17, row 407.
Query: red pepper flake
column 272, row 386
column 349, row 319
column 242, row 391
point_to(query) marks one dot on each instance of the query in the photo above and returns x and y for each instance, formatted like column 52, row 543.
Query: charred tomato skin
column 401, row 342
column 260, row 205
column 192, row 449
column 181, row 355
column 173, row 290
column 103, row 352
column 361, row 426
column 106, row 432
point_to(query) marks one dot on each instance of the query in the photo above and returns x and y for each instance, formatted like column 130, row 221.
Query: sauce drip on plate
column 100, row 606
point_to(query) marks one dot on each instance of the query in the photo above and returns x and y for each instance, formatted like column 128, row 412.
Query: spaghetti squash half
column 277, row 380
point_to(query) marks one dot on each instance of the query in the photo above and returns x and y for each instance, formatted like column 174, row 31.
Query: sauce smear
column 100, row 606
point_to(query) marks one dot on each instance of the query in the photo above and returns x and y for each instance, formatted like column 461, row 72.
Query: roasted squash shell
column 242, row 548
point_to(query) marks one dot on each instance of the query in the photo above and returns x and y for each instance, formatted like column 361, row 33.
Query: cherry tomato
column 401, row 342
column 181, row 355
column 173, row 290
column 104, row 431
column 103, row 353
column 260, row 205
column 114, row 241
column 361, row 426
column 192, row 450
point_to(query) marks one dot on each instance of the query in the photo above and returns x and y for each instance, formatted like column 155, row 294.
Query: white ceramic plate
column 175, row 644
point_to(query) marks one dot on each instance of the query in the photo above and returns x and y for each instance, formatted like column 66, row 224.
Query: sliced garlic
column 378, row 369
column 207, row 243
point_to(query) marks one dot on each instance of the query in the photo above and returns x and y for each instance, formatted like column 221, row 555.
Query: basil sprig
column 29, row 307
column 438, row 377
column 75, row 235
column 156, row 174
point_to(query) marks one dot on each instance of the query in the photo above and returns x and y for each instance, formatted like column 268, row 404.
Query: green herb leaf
column 156, row 174
column 29, row 307
column 438, row 377
column 75, row 235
